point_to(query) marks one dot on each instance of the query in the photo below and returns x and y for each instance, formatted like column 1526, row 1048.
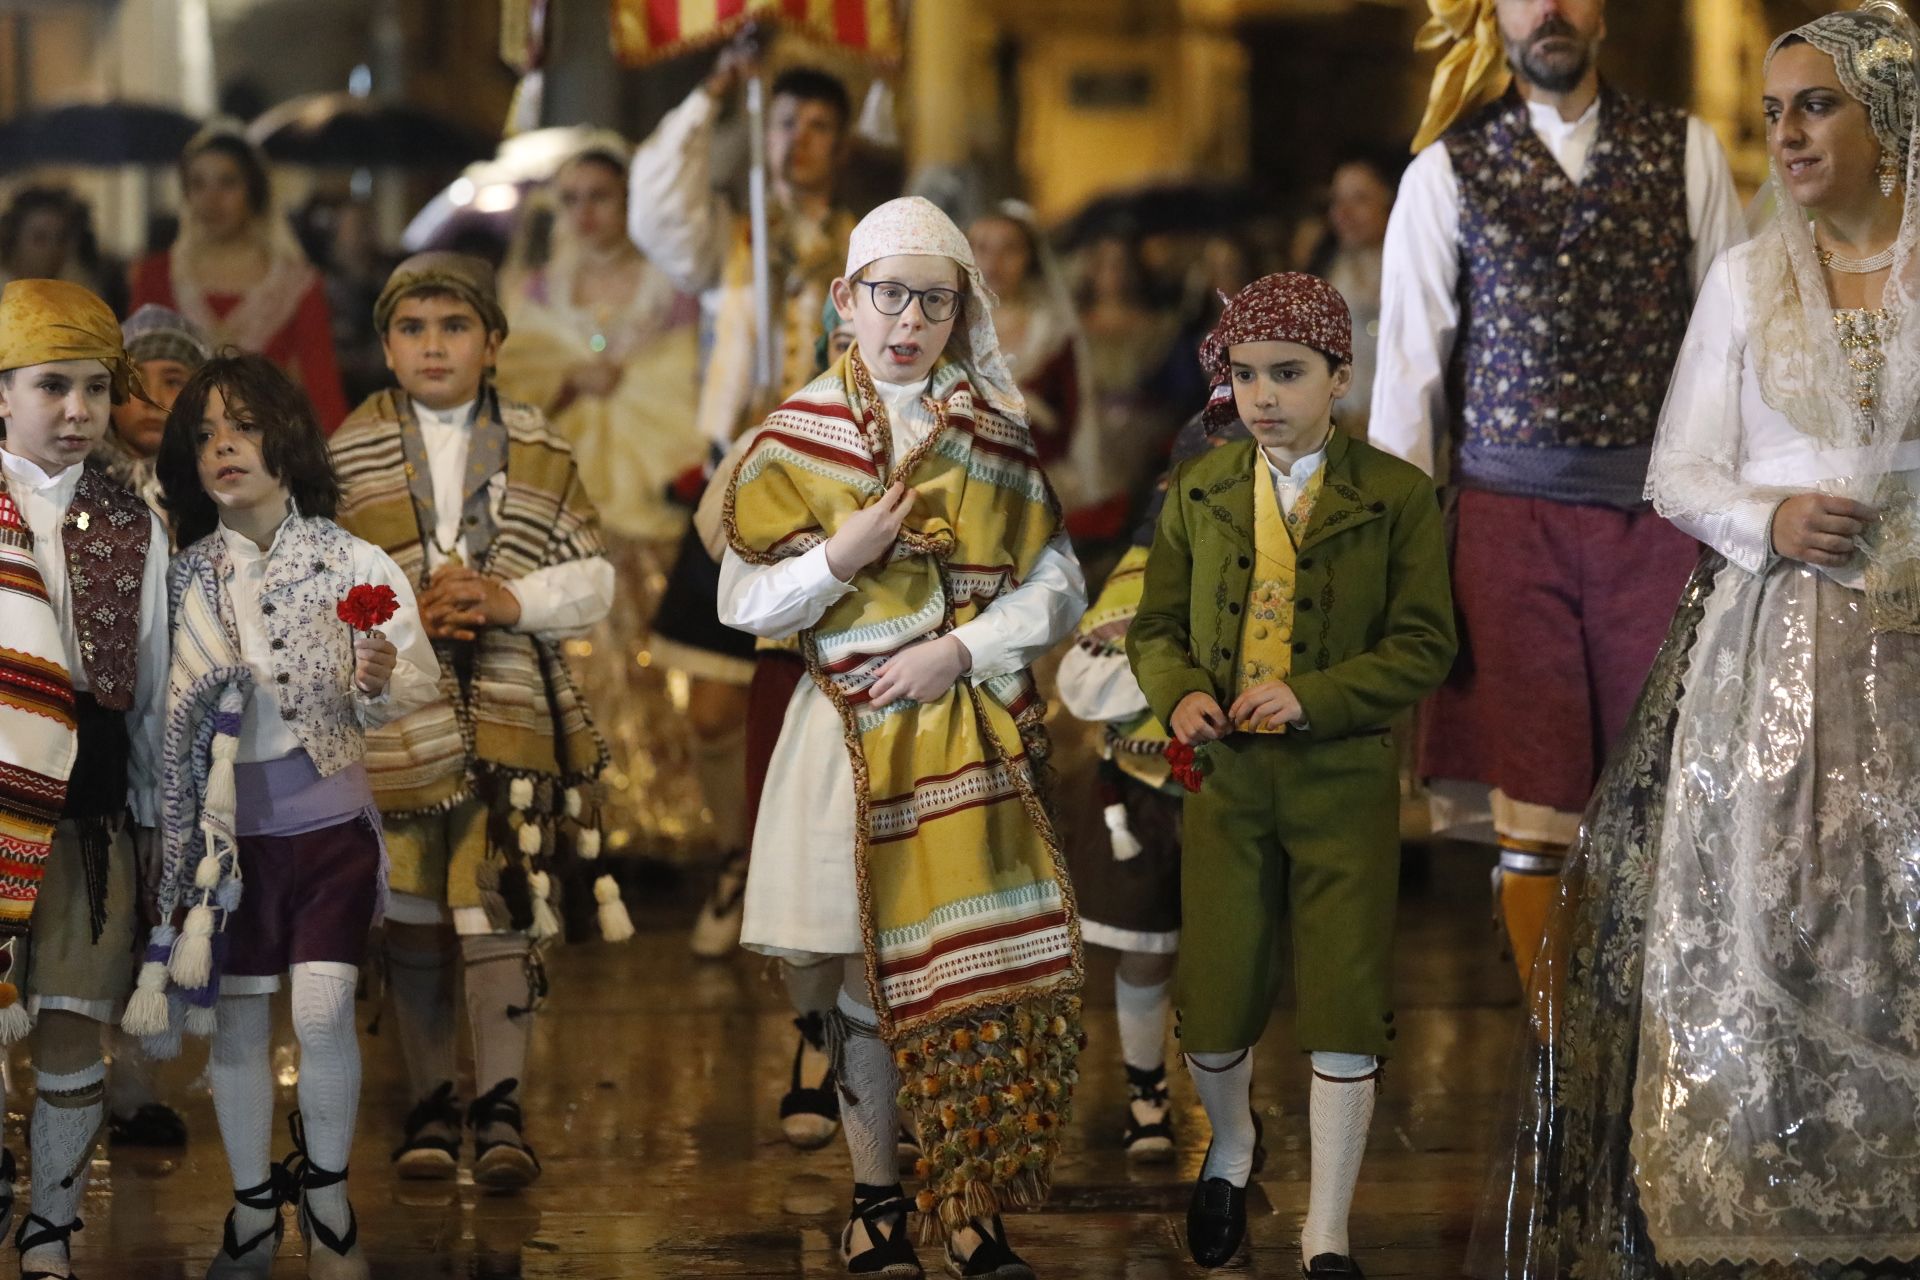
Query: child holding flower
column 1296, row 600
column 291, row 639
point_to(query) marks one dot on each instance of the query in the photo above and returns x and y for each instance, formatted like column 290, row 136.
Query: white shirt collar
column 28, row 472
column 458, row 416
column 1303, row 468
column 1548, row 123
column 245, row 549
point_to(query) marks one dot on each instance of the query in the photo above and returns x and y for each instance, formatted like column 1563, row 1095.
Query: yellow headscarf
column 43, row 321
column 1470, row 73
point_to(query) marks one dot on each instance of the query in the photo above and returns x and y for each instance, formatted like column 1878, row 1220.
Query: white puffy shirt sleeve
column 1713, row 206
column 1019, row 627
column 673, row 212
column 147, row 718
column 564, row 600
column 416, row 672
column 1419, row 311
column 774, row 601
column 1694, row 479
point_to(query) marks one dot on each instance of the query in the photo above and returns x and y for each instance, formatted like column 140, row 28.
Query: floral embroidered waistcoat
column 1266, row 635
column 1574, row 297
column 105, row 538
column 311, row 667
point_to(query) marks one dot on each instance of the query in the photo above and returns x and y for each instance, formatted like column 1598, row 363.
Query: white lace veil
column 1802, row 365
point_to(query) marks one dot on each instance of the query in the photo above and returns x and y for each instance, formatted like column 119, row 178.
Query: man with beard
column 1540, row 268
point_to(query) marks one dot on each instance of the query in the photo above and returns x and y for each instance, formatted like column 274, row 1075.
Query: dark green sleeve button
column 1306, row 606
column 1306, row 562
column 1198, row 495
column 1245, row 563
column 1233, row 609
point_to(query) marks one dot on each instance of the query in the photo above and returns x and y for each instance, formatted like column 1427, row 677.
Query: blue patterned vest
column 1574, row 299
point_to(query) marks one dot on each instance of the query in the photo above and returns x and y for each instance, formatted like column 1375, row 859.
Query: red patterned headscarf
column 1288, row 307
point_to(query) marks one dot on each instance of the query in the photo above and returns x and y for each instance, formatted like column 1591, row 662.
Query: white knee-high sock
column 869, row 1089
column 1340, row 1111
column 422, row 978
column 1143, row 1023
column 67, row 1118
column 329, row 1077
column 1224, row 1082
column 241, row 1073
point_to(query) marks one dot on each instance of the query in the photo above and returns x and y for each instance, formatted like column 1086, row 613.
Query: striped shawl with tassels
column 516, row 717
column 972, row 941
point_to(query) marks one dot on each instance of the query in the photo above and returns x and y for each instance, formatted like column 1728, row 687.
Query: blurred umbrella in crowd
column 341, row 130
column 99, row 134
column 485, row 199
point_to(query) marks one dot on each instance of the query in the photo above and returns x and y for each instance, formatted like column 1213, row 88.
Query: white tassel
column 590, row 843
column 1126, row 846
column 520, row 793
column 200, row 1019
column 615, row 924
column 206, row 875
column 192, row 963
column 16, row 1024
column 147, row 1011
column 220, row 797
column 546, row 924
column 575, row 805
column 529, row 837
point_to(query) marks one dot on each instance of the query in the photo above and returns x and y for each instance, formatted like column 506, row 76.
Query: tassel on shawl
column 15, row 1021
column 615, row 924
column 146, row 1013
column 546, row 923
column 192, row 963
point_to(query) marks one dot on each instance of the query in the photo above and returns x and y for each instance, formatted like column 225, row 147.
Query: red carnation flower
column 1186, row 765
column 367, row 606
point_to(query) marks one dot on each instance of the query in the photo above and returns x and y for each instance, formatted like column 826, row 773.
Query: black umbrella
column 339, row 130
column 1160, row 209
column 98, row 134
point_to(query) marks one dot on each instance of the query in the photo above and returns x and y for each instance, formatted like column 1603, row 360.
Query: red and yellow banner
column 647, row 30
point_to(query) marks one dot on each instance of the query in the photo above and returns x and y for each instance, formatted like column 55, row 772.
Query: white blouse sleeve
column 1694, row 479
column 775, row 601
column 416, row 673
column 1018, row 628
column 673, row 213
column 1419, row 313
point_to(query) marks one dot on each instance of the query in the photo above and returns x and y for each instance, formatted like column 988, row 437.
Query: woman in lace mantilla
column 1731, row 1086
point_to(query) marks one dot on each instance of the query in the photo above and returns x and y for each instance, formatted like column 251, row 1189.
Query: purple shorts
column 306, row 898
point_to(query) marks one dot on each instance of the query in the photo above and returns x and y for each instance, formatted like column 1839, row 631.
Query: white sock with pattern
column 240, row 1069
column 1224, row 1082
column 1340, row 1112
column 329, row 1085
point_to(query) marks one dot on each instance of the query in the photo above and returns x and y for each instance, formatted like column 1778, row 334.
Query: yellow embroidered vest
column 1266, row 636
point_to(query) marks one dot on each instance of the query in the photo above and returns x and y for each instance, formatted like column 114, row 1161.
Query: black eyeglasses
column 891, row 298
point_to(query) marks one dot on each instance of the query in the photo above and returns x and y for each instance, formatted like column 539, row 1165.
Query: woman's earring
column 1889, row 174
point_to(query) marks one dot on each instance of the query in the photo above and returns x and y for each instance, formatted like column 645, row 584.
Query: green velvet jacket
column 1373, row 622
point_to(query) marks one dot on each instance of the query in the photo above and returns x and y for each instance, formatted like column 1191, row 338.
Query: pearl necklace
column 1854, row 266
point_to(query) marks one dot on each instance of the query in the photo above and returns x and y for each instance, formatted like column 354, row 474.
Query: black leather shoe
column 1216, row 1221
column 1217, row 1214
column 1333, row 1266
